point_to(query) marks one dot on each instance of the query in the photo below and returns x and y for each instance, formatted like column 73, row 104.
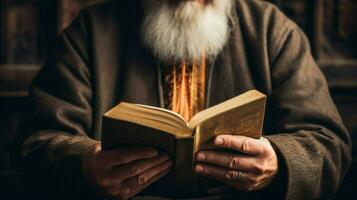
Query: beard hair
column 186, row 30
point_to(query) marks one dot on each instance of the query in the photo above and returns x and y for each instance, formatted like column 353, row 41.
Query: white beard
column 184, row 31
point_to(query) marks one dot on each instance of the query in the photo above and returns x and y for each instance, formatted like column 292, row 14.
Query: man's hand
column 251, row 169
column 122, row 173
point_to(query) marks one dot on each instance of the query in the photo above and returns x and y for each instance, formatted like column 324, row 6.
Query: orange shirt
column 184, row 88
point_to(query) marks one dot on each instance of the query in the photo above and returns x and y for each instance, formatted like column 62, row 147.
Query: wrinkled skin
column 253, row 167
column 123, row 173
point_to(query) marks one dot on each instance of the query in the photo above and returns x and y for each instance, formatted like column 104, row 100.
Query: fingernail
column 201, row 157
column 219, row 141
column 199, row 168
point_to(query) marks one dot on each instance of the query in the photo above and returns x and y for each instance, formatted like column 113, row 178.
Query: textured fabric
column 99, row 61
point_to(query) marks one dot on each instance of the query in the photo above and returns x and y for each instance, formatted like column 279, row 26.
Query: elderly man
column 145, row 52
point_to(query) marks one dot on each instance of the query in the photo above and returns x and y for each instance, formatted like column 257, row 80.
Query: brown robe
column 99, row 61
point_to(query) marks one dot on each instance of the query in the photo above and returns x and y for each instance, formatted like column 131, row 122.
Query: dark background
column 28, row 28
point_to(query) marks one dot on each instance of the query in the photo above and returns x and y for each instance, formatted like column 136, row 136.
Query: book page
column 230, row 104
column 153, row 117
column 246, row 120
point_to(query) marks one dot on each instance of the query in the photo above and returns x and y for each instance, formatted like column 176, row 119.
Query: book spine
column 183, row 172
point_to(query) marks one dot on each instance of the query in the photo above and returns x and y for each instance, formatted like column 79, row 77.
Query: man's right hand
column 123, row 173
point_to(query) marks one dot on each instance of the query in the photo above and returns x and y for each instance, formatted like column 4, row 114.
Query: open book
column 140, row 125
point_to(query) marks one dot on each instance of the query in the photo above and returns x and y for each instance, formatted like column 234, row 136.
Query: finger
column 210, row 171
column 243, row 144
column 237, row 179
column 123, row 172
column 131, row 187
column 124, row 156
column 251, row 179
column 152, row 172
column 218, row 173
column 241, row 180
column 155, row 178
column 228, row 160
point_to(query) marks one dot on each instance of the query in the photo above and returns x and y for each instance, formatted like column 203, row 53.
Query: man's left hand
column 253, row 167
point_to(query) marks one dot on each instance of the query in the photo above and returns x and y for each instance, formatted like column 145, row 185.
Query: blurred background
column 28, row 28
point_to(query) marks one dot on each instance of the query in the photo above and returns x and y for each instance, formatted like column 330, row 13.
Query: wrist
column 85, row 185
column 278, row 184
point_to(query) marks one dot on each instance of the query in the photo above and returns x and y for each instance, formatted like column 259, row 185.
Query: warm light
column 188, row 95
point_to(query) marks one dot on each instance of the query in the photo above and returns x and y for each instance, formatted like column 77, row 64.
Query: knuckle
column 255, row 168
column 228, row 142
column 142, row 179
column 245, row 145
column 210, row 157
column 232, row 175
column 262, row 170
column 259, row 168
column 233, row 163
column 157, row 169
column 266, row 151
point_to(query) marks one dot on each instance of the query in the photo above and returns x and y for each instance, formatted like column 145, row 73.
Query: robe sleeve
column 308, row 134
column 54, row 132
